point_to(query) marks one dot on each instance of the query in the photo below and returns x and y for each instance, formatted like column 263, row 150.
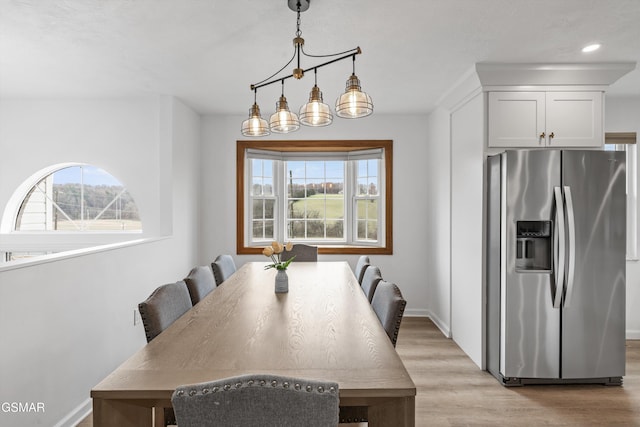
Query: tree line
column 96, row 198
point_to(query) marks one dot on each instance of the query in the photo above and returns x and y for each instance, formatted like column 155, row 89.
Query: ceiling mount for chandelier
column 353, row 103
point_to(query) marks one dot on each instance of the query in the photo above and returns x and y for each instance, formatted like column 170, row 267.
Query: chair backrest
column 163, row 307
column 370, row 280
column 389, row 305
column 252, row 400
column 200, row 282
column 303, row 253
column 223, row 267
column 361, row 266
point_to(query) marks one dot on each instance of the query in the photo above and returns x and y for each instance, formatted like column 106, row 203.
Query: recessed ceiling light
column 591, row 48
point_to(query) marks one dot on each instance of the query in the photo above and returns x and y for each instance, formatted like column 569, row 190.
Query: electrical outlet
column 136, row 317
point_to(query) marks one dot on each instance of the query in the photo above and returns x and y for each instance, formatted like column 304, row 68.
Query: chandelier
column 352, row 104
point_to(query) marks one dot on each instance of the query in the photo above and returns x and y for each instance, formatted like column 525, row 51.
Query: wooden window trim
column 620, row 138
column 316, row 146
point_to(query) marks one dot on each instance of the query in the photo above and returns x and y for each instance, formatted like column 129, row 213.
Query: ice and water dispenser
column 533, row 245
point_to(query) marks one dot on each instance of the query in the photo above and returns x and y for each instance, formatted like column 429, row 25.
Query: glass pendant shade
column 353, row 103
column 283, row 120
column 255, row 125
column 315, row 112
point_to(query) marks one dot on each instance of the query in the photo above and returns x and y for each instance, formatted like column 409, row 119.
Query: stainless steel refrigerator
column 556, row 241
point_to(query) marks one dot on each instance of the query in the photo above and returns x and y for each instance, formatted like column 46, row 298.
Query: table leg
column 118, row 413
column 158, row 417
column 399, row 412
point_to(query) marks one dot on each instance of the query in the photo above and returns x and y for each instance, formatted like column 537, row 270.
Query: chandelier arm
column 267, row 83
column 259, row 84
column 355, row 50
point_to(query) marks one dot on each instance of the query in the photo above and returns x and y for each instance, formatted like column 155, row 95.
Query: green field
column 331, row 206
column 324, row 214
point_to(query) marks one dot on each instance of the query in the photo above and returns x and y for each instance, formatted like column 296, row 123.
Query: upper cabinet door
column 545, row 119
column 574, row 119
column 516, row 119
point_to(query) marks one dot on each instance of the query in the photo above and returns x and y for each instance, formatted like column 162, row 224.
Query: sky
column 92, row 176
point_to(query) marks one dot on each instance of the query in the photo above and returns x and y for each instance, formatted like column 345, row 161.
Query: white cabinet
column 545, row 119
column 575, row 119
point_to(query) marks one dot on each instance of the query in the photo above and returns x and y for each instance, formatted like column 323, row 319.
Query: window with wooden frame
column 336, row 195
column 626, row 141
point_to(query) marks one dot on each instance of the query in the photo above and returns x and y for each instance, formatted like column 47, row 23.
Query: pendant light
column 315, row 112
column 255, row 125
column 283, row 120
column 354, row 103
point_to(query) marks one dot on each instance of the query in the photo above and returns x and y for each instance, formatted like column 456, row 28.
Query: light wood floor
column 453, row 391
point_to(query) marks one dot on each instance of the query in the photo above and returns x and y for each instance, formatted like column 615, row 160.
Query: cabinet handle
column 542, row 135
column 552, row 135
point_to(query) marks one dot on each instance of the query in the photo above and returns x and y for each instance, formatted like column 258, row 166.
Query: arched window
column 67, row 207
column 78, row 198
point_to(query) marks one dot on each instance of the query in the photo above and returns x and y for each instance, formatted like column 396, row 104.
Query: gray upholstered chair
column 200, row 282
column 354, row 415
column 223, row 267
column 361, row 266
column 303, row 253
column 389, row 305
column 163, row 307
column 257, row 400
column 370, row 280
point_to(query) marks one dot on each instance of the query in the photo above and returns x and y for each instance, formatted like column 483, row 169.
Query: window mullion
column 248, row 202
column 350, row 184
column 381, row 201
column 280, row 216
column 82, row 224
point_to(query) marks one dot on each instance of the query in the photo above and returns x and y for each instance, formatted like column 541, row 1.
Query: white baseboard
column 416, row 312
column 427, row 313
column 76, row 415
column 444, row 328
column 633, row 335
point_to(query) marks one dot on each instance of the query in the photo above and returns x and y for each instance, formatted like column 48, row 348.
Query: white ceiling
column 207, row 52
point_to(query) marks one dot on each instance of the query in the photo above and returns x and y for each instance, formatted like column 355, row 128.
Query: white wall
column 67, row 323
column 407, row 267
column 623, row 115
column 456, row 143
column 438, row 241
column 114, row 135
column 467, row 224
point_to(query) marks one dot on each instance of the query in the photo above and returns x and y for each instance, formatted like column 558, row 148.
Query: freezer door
column 593, row 313
column 531, row 325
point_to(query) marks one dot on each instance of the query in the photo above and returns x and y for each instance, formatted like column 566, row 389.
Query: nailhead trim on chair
column 252, row 383
column 403, row 304
column 398, row 321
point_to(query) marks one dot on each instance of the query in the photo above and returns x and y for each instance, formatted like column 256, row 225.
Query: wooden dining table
column 322, row 328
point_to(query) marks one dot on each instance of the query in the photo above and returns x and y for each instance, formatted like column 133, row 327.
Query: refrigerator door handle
column 559, row 240
column 571, row 226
